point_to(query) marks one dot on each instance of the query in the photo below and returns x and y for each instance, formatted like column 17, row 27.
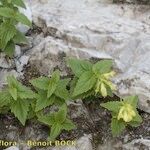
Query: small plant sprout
column 124, row 113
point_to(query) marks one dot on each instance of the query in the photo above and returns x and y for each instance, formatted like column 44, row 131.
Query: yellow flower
column 97, row 86
column 103, row 90
column 126, row 113
column 109, row 75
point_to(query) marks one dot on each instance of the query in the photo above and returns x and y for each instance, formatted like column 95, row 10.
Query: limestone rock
column 89, row 28
column 138, row 144
column 12, row 148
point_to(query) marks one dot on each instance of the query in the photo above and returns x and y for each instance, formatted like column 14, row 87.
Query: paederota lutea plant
column 10, row 16
column 89, row 79
column 92, row 79
column 124, row 113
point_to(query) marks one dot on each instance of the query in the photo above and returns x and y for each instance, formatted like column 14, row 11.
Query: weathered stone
column 145, row 2
column 12, row 148
column 6, row 63
column 88, row 28
column 137, row 144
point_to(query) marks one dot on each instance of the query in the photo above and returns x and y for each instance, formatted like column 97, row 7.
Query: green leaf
column 18, row 3
column 103, row 66
column 7, row 12
column 58, row 101
column 137, row 120
column 13, row 93
column 43, row 101
column 134, row 123
column 5, row 98
column 22, row 91
column 40, row 83
column 25, row 92
column 55, row 131
column 53, row 83
column 12, row 82
column 20, row 109
column 79, row 66
column 61, row 90
column 117, row 126
column 113, row 106
column 133, row 100
column 68, row 125
column 7, row 32
column 60, row 116
column 23, row 19
column 10, row 49
column 85, row 83
column 85, row 95
column 20, row 38
column 48, row 119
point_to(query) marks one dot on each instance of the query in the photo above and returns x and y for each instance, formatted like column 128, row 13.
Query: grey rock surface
column 90, row 28
column 138, row 144
column 12, row 148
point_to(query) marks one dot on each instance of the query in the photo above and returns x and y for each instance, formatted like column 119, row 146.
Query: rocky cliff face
column 88, row 29
column 93, row 28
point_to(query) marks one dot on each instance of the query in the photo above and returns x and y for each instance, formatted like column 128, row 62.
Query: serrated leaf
column 61, row 115
column 133, row 100
column 12, row 82
column 25, row 92
column 103, row 66
column 48, row 119
column 55, row 131
column 20, row 109
column 7, row 32
column 18, row 3
column 40, row 83
column 117, row 126
column 61, row 90
column 79, row 66
column 20, row 38
column 68, row 125
column 43, row 101
column 5, row 98
column 113, row 106
column 85, row 95
column 23, row 19
column 58, row 101
column 7, row 12
column 53, row 83
column 10, row 49
column 85, row 83
column 21, row 91
column 137, row 120
column 13, row 93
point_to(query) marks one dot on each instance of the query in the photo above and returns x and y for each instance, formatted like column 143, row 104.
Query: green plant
column 91, row 79
column 50, row 91
column 124, row 113
column 58, row 121
column 9, row 18
column 17, row 97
